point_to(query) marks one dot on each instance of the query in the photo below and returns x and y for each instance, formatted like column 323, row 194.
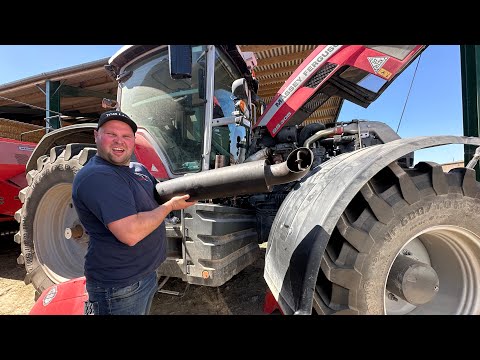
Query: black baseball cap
column 116, row 115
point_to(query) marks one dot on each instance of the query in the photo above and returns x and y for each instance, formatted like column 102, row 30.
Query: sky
column 434, row 105
column 21, row 61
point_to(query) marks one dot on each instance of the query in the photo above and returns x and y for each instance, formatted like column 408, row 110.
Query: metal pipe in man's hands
column 247, row 178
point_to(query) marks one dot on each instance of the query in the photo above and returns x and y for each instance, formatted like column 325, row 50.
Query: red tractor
column 352, row 225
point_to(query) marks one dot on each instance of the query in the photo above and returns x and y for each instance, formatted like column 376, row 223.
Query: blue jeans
column 134, row 299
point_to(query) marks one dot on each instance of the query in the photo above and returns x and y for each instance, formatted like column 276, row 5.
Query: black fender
column 309, row 214
column 81, row 133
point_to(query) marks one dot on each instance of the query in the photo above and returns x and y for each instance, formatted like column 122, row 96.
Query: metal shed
column 77, row 91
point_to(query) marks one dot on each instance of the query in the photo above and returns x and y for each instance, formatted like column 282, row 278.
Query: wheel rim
column 454, row 253
column 62, row 259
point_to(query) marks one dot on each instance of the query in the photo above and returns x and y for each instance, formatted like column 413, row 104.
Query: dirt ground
column 243, row 295
column 16, row 298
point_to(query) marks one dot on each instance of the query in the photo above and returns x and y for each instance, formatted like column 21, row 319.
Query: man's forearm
column 134, row 228
column 148, row 221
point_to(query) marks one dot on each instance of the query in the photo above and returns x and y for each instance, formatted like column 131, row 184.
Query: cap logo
column 116, row 115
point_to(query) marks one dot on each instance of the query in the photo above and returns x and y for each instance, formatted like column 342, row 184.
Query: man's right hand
column 179, row 202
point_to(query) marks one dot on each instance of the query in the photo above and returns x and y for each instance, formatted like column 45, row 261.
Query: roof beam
column 87, row 83
column 320, row 118
column 267, row 93
column 20, row 110
column 326, row 108
column 274, row 81
column 284, row 69
column 283, row 58
column 277, row 80
column 259, row 48
column 38, row 99
column 4, row 90
column 81, row 105
column 75, row 114
column 269, row 89
column 90, row 109
column 72, row 91
column 26, row 92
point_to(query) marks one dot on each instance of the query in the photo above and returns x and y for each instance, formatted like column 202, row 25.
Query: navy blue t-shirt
column 102, row 193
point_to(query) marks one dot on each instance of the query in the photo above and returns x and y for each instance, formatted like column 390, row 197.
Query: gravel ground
column 243, row 295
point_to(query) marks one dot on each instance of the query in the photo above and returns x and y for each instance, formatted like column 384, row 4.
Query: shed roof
column 86, row 84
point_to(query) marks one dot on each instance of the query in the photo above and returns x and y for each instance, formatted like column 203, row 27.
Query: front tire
column 51, row 257
column 422, row 213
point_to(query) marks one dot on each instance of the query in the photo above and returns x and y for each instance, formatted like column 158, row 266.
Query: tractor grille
column 315, row 102
column 320, row 75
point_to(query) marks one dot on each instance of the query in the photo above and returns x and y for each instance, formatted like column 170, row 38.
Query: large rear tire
column 51, row 257
column 422, row 213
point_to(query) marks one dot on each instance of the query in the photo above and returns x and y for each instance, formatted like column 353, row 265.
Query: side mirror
column 109, row 103
column 240, row 89
column 180, row 61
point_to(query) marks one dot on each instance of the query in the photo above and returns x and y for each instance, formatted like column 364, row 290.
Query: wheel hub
column 445, row 263
column 412, row 280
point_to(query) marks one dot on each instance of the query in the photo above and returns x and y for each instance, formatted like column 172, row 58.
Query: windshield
column 170, row 110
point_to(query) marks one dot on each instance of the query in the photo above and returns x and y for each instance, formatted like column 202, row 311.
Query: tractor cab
column 181, row 98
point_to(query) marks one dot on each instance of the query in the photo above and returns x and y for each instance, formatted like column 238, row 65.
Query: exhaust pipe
column 247, row 178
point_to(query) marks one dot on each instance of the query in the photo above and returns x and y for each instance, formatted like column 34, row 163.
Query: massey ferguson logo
column 377, row 62
column 50, row 295
column 307, row 70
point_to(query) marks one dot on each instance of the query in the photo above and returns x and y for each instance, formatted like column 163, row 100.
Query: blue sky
column 434, row 106
column 21, row 61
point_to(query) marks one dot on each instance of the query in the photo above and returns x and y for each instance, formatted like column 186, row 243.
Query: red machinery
column 69, row 298
column 14, row 155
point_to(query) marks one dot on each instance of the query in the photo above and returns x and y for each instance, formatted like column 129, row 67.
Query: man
column 115, row 202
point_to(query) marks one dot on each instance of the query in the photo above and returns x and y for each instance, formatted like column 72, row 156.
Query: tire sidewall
column 435, row 210
column 51, row 174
